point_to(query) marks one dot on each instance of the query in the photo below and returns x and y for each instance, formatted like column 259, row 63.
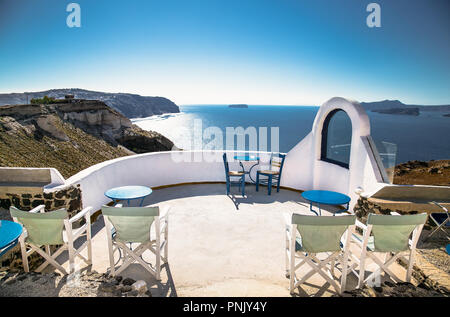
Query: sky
column 291, row 52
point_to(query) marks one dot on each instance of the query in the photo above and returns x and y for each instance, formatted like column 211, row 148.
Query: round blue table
column 247, row 158
column 9, row 234
column 325, row 197
column 128, row 193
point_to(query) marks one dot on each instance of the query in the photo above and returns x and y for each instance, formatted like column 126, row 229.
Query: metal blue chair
column 235, row 175
column 272, row 174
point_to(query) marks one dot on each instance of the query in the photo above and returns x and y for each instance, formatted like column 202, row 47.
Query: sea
column 399, row 138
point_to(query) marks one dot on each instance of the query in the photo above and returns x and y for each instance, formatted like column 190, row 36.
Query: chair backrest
column 277, row 162
column 227, row 168
column 322, row 234
column 391, row 233
column 42, row 228
column 132, row 224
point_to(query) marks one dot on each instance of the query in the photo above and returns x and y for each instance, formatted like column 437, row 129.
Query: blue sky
column 229, row 51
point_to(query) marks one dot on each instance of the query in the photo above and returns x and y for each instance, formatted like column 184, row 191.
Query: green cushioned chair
column 390, row 235
column 52, row 228
column 306, row 236
column 134, row 225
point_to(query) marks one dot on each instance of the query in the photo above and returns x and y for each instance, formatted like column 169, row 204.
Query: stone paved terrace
column 220, row 245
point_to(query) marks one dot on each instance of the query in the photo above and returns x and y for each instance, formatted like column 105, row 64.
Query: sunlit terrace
column 220, row 245
column 232, row 242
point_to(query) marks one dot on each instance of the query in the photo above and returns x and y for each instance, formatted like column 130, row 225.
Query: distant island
column 397, row 107
column 130, row 105
column 238, row 106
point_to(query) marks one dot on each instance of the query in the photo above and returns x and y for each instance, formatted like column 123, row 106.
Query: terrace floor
column 221, row 245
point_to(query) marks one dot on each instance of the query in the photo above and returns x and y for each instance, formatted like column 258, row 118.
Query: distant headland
column 130, row 105
column 240, row 105
column 399, row 108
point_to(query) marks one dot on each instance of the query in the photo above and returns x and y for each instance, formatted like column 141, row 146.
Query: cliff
column 70, row 135
column 130, row 105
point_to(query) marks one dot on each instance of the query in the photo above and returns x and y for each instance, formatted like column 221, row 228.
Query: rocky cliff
column 130, row 105
column 70, row 135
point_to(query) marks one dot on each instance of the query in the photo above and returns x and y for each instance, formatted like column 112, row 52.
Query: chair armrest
column 359, row 224
column 287, row 219
column 439, row 205
column 164, row 214
column 40, row 208
column 84, row 213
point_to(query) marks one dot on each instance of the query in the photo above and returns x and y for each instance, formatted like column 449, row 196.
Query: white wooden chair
column 388, row 234
column 306, row 236
column 47, row 228
column 133, row 225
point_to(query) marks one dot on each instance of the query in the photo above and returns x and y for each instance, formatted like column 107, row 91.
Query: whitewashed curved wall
column 153, row 170
column 317, row 174
column 303, row 168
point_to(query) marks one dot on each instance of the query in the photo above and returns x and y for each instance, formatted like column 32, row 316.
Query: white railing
column 153, row 170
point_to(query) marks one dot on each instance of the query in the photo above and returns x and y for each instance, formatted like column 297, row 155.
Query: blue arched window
column 336, row 138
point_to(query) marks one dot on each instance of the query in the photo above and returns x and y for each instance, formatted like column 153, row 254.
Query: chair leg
column 286, row 253
column 23, row 249
column 362, row 263
column 292, row 267
column 278, row 184
column 243, row 185
column 110, row 246
column 269, row 185
column 410, row 266
column 89, row 239
column 166, row 240
column 71, row 258
column 257, row 181
column 344, row 271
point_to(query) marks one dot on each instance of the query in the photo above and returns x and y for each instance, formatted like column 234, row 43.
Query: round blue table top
column 246, row 158
column 325, row 197
column 9, row 232
column 128, row 192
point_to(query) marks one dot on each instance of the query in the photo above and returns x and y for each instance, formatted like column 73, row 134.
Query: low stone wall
column 69, row 198
column 364, row 206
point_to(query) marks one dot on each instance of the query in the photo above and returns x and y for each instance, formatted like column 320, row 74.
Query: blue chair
column 229, row 175
column 272, row 174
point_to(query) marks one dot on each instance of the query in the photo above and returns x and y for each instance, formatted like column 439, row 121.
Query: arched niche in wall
column 336, row 138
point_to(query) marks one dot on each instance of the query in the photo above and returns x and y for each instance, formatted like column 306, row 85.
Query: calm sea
column 398, row 137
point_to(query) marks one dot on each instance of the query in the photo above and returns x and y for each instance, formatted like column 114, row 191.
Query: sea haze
column 424, row 137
